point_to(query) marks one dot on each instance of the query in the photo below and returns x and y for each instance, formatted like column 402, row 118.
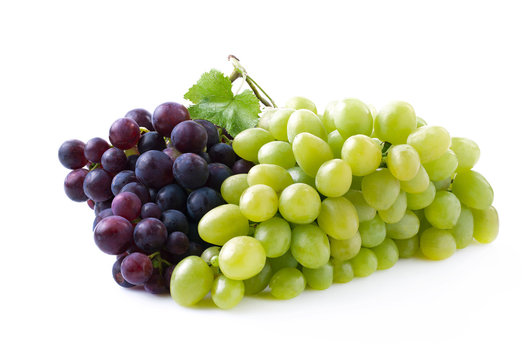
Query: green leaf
column 212, row 83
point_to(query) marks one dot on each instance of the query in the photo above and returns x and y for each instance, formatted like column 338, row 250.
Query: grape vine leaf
column 214, row 100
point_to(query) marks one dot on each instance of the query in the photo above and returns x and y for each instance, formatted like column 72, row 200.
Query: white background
column 68, row 69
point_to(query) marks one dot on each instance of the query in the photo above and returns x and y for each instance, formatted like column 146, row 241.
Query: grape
column 154, row 169
column 333, row 178
column 444, row 211
column 443, row 167
column 463, row 229
column 473, row 190
column 151, row 141
column 278, row 153
column 437, row 244
column 118, row 277
column 275, row 236
column 403, row 162
column 150, row 210
column 121, row 179
column 327, row 117
column 352, row 117
column 242, row 166
column 466, row 151
column 211, row 130
column 73, row 185
column 233, row 187
column 444, row 184
column 336, row 142
column 311, row 152
column 97, row 185
column 191, row 171
column 114, row 160
column 364, row 211
column 168, row 115
column 407, row 227
column 124, row 133
column 90, row 204
column 423, row 199
column 189, row 136
column 156, row 284
column 95, row 148
column 305, row 121
column 486, row 224
column 278, row 123
column 408, row 247
column 241, row 257
column 248, row 142
column 319, row 279
column 271, row 175
column 102, row 205
column 259, row 203
column 431, row 142
column 131, row 162
column 365, row 263
column 286, row 260
column 177, row 243
column 72, row 154
column 299, row 176
column 345, row 249
column 362, row 154
column 373, row 232
column 396, row 212
column 299, row 204
column 103, row 214
column 287, row 283
column 222, row 153
column 310, row 246
column 195, row 249
column 342, row 271
column 394, row 122
column 380, row 189
column 211, row 252
column 258, row 282
column 338, row 218
column 227, row 293
column 142, row 117
column 201, row 201
column 137, row 189
column 174, row 220
column 418, row 184
column 150, row 235
column 223, row 223
column 172, row 153
column 387, row 254
column 126, row 205
column 113, row 235
column 300, row 102
column 191, row 280
column 217, row 174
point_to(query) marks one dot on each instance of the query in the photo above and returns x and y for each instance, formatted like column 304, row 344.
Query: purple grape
column 116, row 274
column 174, row 220
column 141, row 117
column 97, row 185
column 150, row 210
column 127, row 205
column 124, row 133
column 154, row 169
column 167, row 115
column 138, row 189
column 150, row 235
column 114, row 160
column 242, row 166
column 201, row 201
column 172, row 153
column 90, row 203
column 131, row 161
column 102, row 205
column 188, row 136
column 211, row 129
column 156, row 284
column 195, row 249
column 136, row 268
column 113, row 235
column 191, row 171
column 222, row 153
column 218, row 173
column 73, row 185
column 151, row 141
column 121, row 179
column 167, row 274
column 72, row 154
column 177, row 243
column 206, row 157
column 102, row 214
column 152, row 195
column 171, row 196
column 95, row 148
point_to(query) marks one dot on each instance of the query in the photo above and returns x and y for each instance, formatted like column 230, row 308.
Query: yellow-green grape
column 364, row 211
column 222, row 223
column 338, row 218
column 305, row 121
column 463, row 230
column 327, row 118
column 443, row 167
column 365, row 263
column 265, row 117
column 420, row 122
column 300, row 204
column 286, row 260
column 394, row 122
column 387, row 254
column 259, row 203
column 241, row 258
column 443, row 184
column 190, row 281
column 233, row 187
column 310, row 152
column 300, row 102
column 467, row 152
column 271, row 175
column 396, row 212
column 278, row 153
column 473, row 190
column 407, row 227
column 336, row 141
column 430, row 142
column 403, row 162
column 333, row 178
column 319, row 279
column 310, row 246
column 362, row 154
column 437, row 244
column 227, row 293
column 275, row 236
column 278, row 123
column 208, row 254
column 486, row 224
column 248, row 142
column 373, row 232
column 287, row 283
column 342, row 271
column 345, row 249
column 373, row 110
column 421, row 200
column 424, row 224
column 408, row 247
column 356, row 183
column 418, row 184
column 259, row 282
column 352, row 117
column 380, row 189
column 299, row 176
column 444, row 210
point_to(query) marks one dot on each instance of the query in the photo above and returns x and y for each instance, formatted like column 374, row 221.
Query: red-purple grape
column 72, row 154
column 150, row 210
column 114, row 160
column 95, row 148
column 97, row 185
column 127, row 205
column 150, row 235
column 113, row 235
column 124, row 133
column 167, row 115
column 142, row 117
column 73, row 185
column 137, row 268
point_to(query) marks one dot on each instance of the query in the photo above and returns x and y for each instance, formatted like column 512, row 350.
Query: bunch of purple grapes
column 149, row 188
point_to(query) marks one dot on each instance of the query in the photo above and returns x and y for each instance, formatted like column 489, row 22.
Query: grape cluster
column 150, row 187
column 333, row 197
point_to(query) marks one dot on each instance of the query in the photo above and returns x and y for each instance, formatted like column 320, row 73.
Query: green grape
column 396, row 212
column 300, row 204
column 275, row 236
column 365, row 263
column 405, row 228
column 467, row 153
column 310, row 246
column 305, row 121
column 463, row 230
column 299, row 176
column 259, row 282
column 444, row 210
column 319, row 279
column 277, row 153
column 418, row 184
column 486, row 225
column 408, row 247
column 335, row 141
column 345, row 249
column 278, row 123
column 387, row 254
column 424, row 224
column 443, row 167
column 380, row 189
column 287, row 283
column 373, row 232
column 286, row 260
column 430, row 142
column 333, row 178
column 259, row 203
column 338, row 218
column 443, row 184
column 327, row 118
column 222, row 223
column 403, row 162
column 271, row 175
column 356, row 182
column 233, row 187
column 362, row 154
column 420, row 122
column 352, row 117
column 395, row 122
column 342, row 271
column 265, row 117
column 300, row 102
column 364, row 211
column 421, row 200
column 190, row 281
column 473, row 190
column 241, row 258
column 209, row 253
column 227, row 293
column 437, row 244
column 248, row 142
column 310, row 152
